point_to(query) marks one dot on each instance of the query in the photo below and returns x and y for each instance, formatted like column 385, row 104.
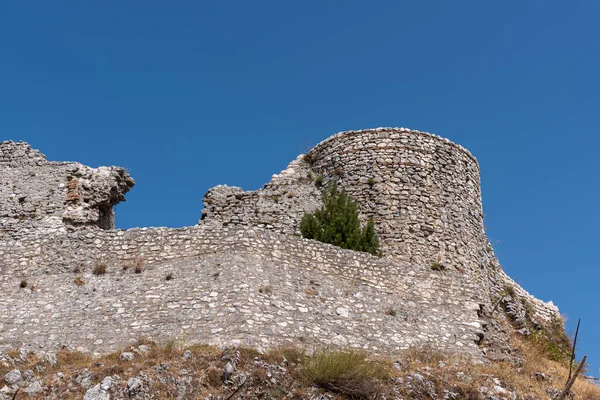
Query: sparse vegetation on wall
column 99, row 267
column 553, row 341
column 337, row 223
column 319, row 180
column 437, row 266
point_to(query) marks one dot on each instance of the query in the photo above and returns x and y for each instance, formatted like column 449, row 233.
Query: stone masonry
column 243, row 275
column 422, row 192
column 36, row 193
column 228, row 286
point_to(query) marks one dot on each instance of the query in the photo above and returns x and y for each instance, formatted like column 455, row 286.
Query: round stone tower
column 421, row 190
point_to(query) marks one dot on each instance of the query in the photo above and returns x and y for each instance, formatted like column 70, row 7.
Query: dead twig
column 573, row 350
column 569, row 384
column 236, row 390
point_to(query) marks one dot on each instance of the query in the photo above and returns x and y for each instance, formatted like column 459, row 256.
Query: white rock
column 13, row 377
column 107, row 383
column 227, row 371
column 127, row 356
column 342, row 311
column 34, row 387
column 96, row 393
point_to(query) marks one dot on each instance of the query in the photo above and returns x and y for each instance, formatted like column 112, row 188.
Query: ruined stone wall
column 36, row 193
column 422, row 191
column 250, row 287
column 243, row 276
column 278, row 206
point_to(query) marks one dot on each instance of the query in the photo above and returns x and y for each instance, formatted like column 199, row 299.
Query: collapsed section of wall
column 36, row 193
column 278, row 206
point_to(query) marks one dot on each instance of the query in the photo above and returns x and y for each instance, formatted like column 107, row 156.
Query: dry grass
column 70, row 363
column 535, row 359
column 445, row 371
column 346, row 372
column 289, row 355
column 79, row 281
column 136, row 264
column 309, row 158
column 99, row 267
column 213, row 377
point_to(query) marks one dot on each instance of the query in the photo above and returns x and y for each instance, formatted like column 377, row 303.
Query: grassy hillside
column 147, row 370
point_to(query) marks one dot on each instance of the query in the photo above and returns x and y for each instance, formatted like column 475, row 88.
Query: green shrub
column 346, row 372
column 337, row 223
column 553, row 340
column 319, row 180
column 437, row 266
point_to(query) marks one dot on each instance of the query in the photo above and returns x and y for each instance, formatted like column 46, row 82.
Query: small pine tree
column 337, row 222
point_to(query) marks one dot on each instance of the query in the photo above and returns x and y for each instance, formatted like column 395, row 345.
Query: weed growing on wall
column 319, row 180
column 99, row 268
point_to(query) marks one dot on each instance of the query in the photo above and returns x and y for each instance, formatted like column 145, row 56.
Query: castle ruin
column 243, row 275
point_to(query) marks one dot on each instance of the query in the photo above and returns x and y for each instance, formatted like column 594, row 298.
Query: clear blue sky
column 191, row 94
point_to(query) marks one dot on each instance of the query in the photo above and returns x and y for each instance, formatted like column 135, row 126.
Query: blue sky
column 191, row 94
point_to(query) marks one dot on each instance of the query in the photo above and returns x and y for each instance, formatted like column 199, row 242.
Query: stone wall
column 278, row 206
column 422, row 191
column 228, row 286
column 37, row 193
column 244, row 275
